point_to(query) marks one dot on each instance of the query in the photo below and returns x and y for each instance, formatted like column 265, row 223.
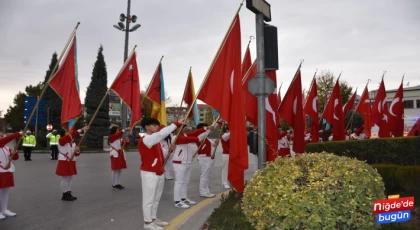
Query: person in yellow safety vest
column 54, row 137
column 28, row 144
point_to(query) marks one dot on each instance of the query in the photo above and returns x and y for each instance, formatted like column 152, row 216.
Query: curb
column 178, row 221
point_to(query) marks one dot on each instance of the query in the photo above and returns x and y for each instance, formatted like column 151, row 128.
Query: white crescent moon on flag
column 392, row 104
column 270, row 109
column 231, row 81
column 379, row 106
column 314, row 107
column 335, row 104
column 294, row 105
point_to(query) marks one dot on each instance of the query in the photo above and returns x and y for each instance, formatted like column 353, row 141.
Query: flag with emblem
column 156, row 93
column 380, row 111
column 189, row 97
column 127, row 86
column 396, row 113
column 65, row 83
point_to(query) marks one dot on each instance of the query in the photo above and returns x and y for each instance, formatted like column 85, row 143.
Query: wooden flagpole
column 73, row 33
column 207, row 75
column 104, row 97
column 204, row 139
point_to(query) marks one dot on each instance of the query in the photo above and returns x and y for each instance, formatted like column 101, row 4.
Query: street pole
column 127, row 28
column 259, row 22
column 36, row 119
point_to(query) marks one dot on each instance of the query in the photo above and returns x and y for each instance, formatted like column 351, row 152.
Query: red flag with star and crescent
column 222, row 90
column 380, row 111
column 396, row 113
column 311, row 109
column 333, row 113
column 291, row 110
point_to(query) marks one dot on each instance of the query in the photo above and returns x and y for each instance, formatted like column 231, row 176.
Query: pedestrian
column 182, row 164
column 205, row 159
column 6, row 173
column 29, row 142
column 66, row 165
column 53, row 137
column 117, row 155
column 152, row 169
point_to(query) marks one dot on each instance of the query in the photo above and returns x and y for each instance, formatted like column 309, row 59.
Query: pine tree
column 94, row 94
column 54, row 102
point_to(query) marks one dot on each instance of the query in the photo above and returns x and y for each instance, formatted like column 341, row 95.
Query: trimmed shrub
column 399, row 150
column 313, row 191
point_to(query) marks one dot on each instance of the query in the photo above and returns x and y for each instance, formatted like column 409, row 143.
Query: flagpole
column 153, row 77
column 213, row 154
column 43, row 91
column 207, row 75
column 204, row 139
column 104, row 97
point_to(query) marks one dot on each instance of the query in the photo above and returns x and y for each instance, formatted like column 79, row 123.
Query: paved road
column 36, row 197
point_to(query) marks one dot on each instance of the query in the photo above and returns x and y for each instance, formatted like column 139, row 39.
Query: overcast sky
column 360, row 38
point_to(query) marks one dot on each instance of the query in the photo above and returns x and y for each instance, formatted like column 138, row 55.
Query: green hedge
column 399, row 151
column 403, row 180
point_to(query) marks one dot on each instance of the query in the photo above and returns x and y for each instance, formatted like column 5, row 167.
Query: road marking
column 175, row 223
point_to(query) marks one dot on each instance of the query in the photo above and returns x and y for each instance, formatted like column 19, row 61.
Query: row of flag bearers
column 225, row 88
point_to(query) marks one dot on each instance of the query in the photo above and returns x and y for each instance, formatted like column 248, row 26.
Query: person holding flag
column 66, row 165
column 182, row 164
column 152, row 169
column 117, row 155
column 6, row 174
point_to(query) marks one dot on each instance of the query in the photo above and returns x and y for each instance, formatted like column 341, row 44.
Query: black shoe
column 119, row 187
column 29, row 159
column 114, row 187
column 70, row 195
column 67, row 197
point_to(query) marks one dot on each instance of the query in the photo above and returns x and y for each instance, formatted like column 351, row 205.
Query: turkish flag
column 127, row 86
column 250, row 101
column 396, row 113
column 251, row 110
column 272, row 133
column 222, row 89
column 291, row 110
column 364, row 109
column 65, row 83
column 311, row 109
column 246, row 63
column 380, row 111
column 350, row 104
column 333, row 113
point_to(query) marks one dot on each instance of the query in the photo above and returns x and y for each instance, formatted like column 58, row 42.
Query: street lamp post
column 126, row 28
column 260, row 86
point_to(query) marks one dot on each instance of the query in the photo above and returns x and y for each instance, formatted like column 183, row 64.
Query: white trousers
column 206, row 165
column 152, row 188
column 66, row 183
column 225, row 158
column 182, row 178
column 116, row 175
column 255, row 162
column 169, row 166
column 4, row 199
